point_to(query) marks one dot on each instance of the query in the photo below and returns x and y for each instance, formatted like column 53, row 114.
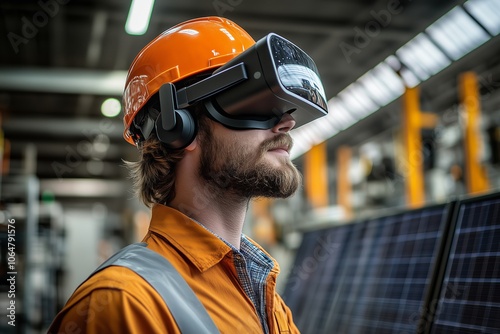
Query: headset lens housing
column 297, row 72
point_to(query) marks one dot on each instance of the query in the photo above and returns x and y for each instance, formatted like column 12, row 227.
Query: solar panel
column 296, row 287
column 313, row 280
column 376, row 278
column 469, row 296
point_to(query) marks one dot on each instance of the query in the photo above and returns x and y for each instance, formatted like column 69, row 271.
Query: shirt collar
column 198, row 244
column 255, row 253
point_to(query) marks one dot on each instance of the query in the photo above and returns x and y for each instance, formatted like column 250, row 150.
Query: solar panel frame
column 349, row 270
column 303, row 290
column 337, row 241
column 455, row 289
column 400, row 311
column 295, row 290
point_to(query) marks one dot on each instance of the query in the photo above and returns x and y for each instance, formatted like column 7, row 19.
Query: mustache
column 283, row 140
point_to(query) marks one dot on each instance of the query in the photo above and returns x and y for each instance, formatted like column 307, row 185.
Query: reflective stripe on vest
column 189, row 314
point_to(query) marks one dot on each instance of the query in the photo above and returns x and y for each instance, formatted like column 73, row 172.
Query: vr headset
column 252, row 91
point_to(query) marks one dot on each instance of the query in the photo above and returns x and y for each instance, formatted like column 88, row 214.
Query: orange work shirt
column 117, row 300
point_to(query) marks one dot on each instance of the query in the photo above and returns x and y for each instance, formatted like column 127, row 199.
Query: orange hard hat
column 182, row 51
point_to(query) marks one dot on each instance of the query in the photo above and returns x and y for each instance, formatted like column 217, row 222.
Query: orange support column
column 476, row 177
column 316, row 176
column 344, row 186
column 4, row 151
column 412, row 139
column 263, row 222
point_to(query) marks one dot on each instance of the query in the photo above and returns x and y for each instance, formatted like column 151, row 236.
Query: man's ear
column 194, row 144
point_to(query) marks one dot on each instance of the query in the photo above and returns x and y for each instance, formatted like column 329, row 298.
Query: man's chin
column 282, row 182
column 276, row 159
column 272, row 175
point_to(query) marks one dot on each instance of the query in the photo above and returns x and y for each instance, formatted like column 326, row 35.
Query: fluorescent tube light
column 357, row 101
column 487, row 12
column 139, row 16
column 422, row 57
column 382, row 84
column 457, row 33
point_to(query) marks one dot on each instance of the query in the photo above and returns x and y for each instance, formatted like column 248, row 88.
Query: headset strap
column 185, row 307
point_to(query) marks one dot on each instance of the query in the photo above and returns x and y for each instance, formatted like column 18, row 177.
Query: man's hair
column 153, row 175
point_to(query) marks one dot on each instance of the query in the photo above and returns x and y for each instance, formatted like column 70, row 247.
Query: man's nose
column 285, row 124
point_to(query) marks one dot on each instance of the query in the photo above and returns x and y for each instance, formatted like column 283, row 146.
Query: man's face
column 249, row 163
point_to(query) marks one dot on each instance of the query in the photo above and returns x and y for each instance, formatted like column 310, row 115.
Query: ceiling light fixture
column 139, row 16
column 111, row 107
column 457, row 33
column 487, row 12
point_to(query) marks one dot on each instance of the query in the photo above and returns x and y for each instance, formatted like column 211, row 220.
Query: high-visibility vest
column 189, row 314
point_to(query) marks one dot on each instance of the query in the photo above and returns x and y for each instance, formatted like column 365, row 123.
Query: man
column 208, row 145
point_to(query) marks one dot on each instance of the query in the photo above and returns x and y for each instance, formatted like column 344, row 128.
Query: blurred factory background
column 414, row 98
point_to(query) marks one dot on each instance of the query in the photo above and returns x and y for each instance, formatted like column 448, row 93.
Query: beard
column 230, row 168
